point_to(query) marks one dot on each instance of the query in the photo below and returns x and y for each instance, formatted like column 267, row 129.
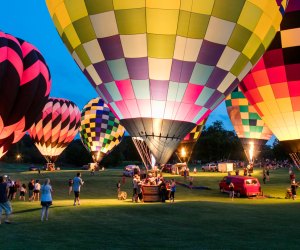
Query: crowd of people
column 166, row 188
column 36, row 192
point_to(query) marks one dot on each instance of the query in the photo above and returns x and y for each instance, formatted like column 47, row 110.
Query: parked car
column 243, row 185
column 210, row 167
column 33, row 168
column 130, row 170
column 167, row 168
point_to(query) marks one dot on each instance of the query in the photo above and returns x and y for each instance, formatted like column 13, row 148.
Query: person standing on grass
column 268, row 174
column 77, row 183
column 46, row 199
column 173, row 190
column 30, row 190
column 36, row 190
column 231, row 190
column 294, row 187
column 70, row 183
column 4, row 202
column 119, row 187
column 22, row 192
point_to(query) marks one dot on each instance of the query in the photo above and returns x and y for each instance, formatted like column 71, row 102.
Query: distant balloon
column 273, row 86
column 186, row 146
column 100, row 131
column 249, row 127
column 55, row 127
column 25, row 84
column 163, row 66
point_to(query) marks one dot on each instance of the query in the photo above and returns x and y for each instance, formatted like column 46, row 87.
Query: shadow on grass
column 37, row 209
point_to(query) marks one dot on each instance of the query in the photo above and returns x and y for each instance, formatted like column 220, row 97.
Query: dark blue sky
column 30, row 20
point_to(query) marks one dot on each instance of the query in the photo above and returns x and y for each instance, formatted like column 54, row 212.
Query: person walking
column 77, row 183
column 46, row 199
column 4, row 202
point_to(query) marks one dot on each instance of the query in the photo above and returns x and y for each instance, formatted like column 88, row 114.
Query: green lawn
column 199, row 219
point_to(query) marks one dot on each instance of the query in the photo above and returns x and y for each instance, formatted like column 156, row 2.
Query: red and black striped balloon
column 55, row 127
column 25, row 84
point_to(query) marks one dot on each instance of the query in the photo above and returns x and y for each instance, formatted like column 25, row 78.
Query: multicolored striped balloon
column 100, row 131
column 25, row 84
column 56, row 127
column 273, row 85
column 186, row 146
column 163, row 66
column 249, row 127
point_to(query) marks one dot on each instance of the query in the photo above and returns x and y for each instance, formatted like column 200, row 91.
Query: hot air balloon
column 100, row 131
column 273, row 85
column 55, row 127
column 25, row 84
column 249, row 127
column 186, row 146
column 163, row 66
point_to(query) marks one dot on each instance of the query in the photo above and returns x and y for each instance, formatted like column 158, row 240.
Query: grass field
column 199, row 219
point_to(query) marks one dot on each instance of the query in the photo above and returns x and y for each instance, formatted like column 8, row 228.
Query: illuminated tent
column 185, row 148
column 25, row 84
column 163, row 66
column 55, row 127
column 273, row 86
column 100, row 131
column 249, row 127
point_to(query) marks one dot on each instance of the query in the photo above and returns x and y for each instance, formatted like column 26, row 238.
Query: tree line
column 215, row 144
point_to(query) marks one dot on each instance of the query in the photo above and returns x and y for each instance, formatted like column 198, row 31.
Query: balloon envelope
column 100, row 131
column 249, row 127
column 24, row 88
column 273, row 85
column 55, row 128
column 163, row 66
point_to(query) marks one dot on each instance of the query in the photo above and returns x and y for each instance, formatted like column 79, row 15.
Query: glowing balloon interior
column 55, row 128
column 25, row 84
column 100, row 131
column 249, row 127
column 163, row 66
column 185, row 148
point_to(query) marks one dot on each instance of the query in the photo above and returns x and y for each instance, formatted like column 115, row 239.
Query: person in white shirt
column 46, row 199
column 36, row 190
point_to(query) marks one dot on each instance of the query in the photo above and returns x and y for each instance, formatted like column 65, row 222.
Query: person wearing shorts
column 46, row 199
column 22, row 192
column 36, row 190
column 4, row 202
column 30, row 190
column 77, row 183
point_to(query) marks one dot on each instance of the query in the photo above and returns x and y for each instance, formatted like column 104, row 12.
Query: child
column 23, row 191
